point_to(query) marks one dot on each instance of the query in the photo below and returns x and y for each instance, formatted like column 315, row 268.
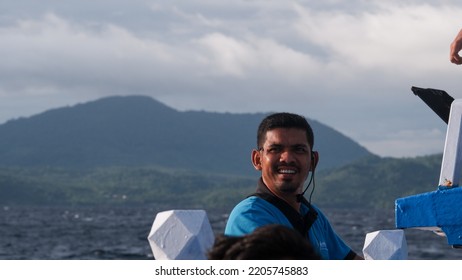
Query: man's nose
column 287, row 156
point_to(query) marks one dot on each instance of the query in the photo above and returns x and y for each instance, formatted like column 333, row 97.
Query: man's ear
column 256, row 159
column 314, row 160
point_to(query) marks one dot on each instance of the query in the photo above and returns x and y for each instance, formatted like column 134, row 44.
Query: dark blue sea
column 62, row 233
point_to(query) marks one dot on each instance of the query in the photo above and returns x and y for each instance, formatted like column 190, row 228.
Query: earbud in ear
column 314, row 159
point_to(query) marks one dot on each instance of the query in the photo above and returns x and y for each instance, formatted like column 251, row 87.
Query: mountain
column 140, row 131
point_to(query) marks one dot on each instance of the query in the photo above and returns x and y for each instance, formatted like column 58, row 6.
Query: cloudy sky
column 348, row 64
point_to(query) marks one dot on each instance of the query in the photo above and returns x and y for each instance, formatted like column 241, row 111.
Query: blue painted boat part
column 436, row 210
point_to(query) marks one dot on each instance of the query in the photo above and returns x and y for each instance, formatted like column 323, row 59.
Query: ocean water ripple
column 105, row 233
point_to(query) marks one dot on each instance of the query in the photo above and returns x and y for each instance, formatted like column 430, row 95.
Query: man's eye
column 274, row 150
column 301, row 150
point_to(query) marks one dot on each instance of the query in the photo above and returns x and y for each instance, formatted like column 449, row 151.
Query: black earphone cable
column 300, row 195
column 314, row 186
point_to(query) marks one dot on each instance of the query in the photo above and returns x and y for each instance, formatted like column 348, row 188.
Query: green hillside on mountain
column 376, row 182
column 369, row 183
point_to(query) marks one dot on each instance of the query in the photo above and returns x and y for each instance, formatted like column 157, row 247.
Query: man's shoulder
column 254, row 203
column 253, row 212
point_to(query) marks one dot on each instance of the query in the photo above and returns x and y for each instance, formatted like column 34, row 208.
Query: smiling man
column 286, row 158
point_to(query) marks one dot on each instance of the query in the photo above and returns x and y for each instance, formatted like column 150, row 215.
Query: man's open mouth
column 287, row 171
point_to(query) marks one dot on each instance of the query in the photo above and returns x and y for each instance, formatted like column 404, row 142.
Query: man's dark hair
column 270, row 242
column 284, row 120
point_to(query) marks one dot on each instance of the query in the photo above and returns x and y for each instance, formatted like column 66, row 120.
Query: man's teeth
column 287, row 171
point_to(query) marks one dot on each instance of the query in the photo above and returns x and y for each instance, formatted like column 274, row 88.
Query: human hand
column 456, row 46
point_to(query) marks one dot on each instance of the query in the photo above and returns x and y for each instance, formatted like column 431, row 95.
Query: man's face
column 284, row 160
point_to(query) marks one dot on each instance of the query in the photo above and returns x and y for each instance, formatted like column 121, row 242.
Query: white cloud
column 385, row 40
column 52, row 52
column 227, row 55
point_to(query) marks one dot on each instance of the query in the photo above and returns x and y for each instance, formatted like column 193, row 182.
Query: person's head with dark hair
column 284, row 120
column 270, row 242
